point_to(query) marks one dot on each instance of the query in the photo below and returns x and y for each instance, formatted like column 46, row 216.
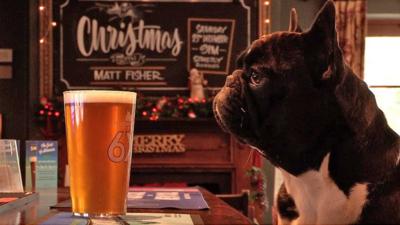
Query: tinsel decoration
column 257, row 184
column 50, row 112
column 179, row 107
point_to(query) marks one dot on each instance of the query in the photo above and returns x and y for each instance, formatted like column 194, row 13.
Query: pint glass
column 33, row 162
column 99, row 131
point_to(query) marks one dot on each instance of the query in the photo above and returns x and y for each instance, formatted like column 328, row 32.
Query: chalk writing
column 107, row 38
column 210, row 44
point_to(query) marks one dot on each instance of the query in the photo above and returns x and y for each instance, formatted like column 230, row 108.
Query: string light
column 45, row 45
column 265, row 17
column 52, row 24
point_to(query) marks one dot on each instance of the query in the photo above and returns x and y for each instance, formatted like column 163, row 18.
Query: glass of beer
column 33, row 161
column 99, row 131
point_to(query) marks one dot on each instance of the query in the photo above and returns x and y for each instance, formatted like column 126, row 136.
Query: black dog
column 295, row 100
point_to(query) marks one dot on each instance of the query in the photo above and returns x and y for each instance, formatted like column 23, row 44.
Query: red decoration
column 257, row 180
column 49, row 117
column 49, row 114
column 192, row 115
column 173, row 107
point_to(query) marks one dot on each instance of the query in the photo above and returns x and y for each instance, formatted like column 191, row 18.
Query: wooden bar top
column 220, row 213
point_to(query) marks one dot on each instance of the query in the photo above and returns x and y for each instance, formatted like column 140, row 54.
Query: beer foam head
column 93, row 96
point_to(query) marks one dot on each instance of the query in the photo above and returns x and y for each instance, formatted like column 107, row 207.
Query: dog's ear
column 322, row 43
column 294, row 22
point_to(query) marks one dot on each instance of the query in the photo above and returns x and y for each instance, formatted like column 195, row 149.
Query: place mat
column 158, row 198
column 64, row 218
column 161, row 198
column 13, row 200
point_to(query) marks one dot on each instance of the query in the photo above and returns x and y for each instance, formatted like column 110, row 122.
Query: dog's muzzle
column 228, row 103
column 231, row 109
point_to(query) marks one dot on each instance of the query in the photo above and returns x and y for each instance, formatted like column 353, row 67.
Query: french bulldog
column 295, row 100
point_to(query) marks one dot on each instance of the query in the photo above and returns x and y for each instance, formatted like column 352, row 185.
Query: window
column 382, row 74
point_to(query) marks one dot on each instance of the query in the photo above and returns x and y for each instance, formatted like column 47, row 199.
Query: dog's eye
column 255, row 77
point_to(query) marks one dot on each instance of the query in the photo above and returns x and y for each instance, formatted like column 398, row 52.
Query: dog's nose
column 229, row 81
column 232, row 79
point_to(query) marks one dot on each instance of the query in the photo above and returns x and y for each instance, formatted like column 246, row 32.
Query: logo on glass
column 118, row 150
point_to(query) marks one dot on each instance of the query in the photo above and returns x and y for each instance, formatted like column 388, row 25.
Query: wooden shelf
column 225, row 166
column 197, row 120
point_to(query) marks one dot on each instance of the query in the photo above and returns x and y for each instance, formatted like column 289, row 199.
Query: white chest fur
column 319, row 200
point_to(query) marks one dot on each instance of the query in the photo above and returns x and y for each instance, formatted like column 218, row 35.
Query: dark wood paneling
column 205, row 143
column 208, row 160
column 18, row 28
column 214, row 180
column 14, row 31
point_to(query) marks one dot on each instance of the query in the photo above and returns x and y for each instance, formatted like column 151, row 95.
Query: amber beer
column 33, row 162
column 99, row 126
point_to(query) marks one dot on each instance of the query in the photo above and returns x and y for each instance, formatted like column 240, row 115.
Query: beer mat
column 158, row 198
column 13, row 200
column 64, row 218
column 161, row 198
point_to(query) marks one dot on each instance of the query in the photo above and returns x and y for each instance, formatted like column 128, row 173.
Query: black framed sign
column 210, row 44
column 149, row 45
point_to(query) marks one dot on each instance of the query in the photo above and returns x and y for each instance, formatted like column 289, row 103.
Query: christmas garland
column 178, row 107
column 147, row 108
column 257, row 186
column 49, row 108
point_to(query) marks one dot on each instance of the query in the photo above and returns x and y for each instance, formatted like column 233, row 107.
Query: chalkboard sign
column 149, row 46
column 210, row 44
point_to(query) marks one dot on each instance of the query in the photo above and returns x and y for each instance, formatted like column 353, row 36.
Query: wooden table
column 219, row 213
